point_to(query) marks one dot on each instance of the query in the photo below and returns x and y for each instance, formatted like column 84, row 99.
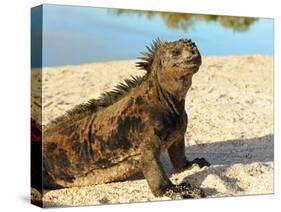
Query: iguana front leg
column 159, row 182
column 177, row 156
column 154, row 173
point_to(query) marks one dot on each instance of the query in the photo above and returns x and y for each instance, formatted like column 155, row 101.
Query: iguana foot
column 201, row 162
column 184, row 191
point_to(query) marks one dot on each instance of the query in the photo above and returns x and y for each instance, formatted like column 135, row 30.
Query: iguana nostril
column 194, row 50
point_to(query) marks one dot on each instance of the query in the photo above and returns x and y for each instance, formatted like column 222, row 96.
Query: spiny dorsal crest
column 110, row 97
column 105, row 99
column 149, row 56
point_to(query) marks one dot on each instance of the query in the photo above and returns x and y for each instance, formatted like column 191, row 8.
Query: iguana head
column 181, row 56
column 172, row 64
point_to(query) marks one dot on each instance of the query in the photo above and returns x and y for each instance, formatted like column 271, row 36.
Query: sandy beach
column 230, row 109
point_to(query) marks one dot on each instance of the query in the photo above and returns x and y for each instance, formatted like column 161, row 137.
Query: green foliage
column 184, row 21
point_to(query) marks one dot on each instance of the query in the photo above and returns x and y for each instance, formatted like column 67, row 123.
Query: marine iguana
column 125, row 130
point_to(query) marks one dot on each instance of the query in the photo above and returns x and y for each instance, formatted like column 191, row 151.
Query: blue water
column 76, row 35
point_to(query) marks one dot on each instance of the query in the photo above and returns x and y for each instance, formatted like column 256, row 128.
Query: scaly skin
column 124, row 133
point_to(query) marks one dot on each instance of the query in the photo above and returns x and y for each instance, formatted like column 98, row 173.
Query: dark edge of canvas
column 36, row 28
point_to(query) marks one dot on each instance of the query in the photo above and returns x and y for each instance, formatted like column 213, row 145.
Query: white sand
column 230, row 108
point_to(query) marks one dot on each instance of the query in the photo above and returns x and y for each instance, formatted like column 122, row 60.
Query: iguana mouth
column 193, row 63
column 189, row 66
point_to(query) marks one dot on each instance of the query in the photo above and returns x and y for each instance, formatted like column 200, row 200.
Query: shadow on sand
column 222, row 155
column 245, row 151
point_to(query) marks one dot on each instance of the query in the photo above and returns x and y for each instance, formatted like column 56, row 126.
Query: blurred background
column 77, row 35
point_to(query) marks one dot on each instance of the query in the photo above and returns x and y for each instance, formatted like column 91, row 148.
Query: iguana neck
column 173, row 103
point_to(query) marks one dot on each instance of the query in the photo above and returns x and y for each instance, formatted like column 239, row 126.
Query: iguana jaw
column 193, row 64
column 193, row 68
column 190, row 64
column 187, row 69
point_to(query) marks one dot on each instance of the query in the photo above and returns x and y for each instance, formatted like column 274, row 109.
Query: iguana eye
column 176, row 52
